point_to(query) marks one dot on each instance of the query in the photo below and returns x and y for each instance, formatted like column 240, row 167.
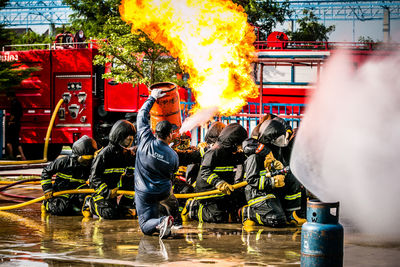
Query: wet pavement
column 28, row 238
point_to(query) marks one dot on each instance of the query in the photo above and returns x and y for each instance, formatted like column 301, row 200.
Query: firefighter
column 263, row 206
column 282, row 152
column 277, row 135
column 211, row 136
column 217, row 171
column 71, row 172
column 193, row 165
column 263, row 193
column 156, row 164
column 113, row 169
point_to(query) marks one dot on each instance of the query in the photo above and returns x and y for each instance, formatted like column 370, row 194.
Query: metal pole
column 386, row 24
column 261, row 86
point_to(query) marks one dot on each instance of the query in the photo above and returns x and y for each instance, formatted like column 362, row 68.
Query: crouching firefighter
column 71, row 173
column 217, row 171
column 273, row 194
column 263, row 206
column 113, row 170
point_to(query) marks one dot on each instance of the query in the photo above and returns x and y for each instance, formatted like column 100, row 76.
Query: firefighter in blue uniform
column 156, row 164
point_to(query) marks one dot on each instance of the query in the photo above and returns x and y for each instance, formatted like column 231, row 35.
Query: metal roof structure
column 344, row 9
column 28, row 13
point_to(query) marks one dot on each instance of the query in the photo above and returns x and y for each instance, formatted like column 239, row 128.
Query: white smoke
column 197, row 119
column 347, row 147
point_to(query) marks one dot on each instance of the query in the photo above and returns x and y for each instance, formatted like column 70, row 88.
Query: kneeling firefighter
column 273, row 193
column 71, row 172
column 217, row 171
column 113, row 169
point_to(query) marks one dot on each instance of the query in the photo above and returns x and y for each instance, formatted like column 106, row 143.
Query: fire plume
column 211, row 39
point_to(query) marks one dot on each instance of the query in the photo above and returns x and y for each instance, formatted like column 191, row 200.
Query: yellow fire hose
column 46, row 142
column 11, row 182
column 120, row 192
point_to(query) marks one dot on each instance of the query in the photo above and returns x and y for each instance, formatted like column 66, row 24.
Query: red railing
column 314, row 45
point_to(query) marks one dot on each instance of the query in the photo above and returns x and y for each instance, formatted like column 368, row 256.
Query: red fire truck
column 92, row 104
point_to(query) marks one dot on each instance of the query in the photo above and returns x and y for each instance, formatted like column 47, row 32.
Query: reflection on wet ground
column 28, row 238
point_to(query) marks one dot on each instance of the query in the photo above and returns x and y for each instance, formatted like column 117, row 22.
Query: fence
column 249, row 116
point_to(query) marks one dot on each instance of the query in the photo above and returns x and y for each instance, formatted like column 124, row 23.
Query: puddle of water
column 28, row 238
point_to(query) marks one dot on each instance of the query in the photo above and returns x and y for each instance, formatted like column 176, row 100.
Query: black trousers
column 64, row 205
column 268, row 212
column 216, row 209
column 110, row 208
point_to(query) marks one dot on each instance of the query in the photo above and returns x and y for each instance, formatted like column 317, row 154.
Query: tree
column 309, row 29
column 366, row 39
column 264, row 14
column 30, row 37
column 91, row 15
column 133, row 56
column 11, row 73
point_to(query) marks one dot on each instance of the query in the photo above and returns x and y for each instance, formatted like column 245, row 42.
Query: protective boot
column 294, row 219
column 185, row 214
column 43, row 208
column 243, row 214
column 86, row 212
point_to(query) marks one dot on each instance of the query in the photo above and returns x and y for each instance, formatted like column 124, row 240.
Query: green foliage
column 5, row 36
column 309, row 29
column 366, row 39
column 264, row 14
column 30, row 37
column 11, row 75
column 134, row 57
column 91, row 15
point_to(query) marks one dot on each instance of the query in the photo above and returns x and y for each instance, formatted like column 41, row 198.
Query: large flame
column 213, row 41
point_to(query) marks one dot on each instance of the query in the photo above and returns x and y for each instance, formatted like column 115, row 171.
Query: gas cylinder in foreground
column 322, row 235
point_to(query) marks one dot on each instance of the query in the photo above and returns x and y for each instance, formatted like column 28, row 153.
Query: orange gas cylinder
column 166, row 107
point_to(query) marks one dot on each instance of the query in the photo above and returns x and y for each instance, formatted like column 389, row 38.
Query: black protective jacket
column 258, row 185
column 112, row 162
column 69, row 174
column 219, row 163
